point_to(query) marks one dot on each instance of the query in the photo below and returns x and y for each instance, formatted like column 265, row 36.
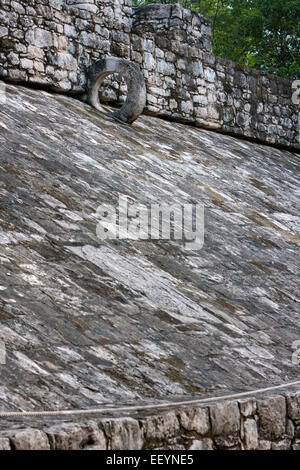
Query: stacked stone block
column 262, row 423
column 53, row 42
column 186, row 82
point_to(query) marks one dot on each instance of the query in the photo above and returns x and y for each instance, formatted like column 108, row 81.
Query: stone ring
column 136, row 96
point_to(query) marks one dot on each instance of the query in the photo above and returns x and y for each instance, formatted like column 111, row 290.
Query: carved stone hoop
column 136, row 96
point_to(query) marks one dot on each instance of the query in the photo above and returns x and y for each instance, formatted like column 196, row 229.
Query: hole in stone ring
column 113, row 90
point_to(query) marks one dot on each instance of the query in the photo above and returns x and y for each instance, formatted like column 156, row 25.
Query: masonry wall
column 186, row 82
column 52, row 43
column 270, row 422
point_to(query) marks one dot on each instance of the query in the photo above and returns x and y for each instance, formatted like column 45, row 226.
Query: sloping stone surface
column 88, row 322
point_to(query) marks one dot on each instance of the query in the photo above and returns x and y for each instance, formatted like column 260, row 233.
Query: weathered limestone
column 53, row 44
column 186, row 82
column 225, row 419
column 250, row 434
column 272, row 418
column 123, row 434
column 72, row 436
column 67, row 437
column 195, row 419
column 247, row 407
column 181, row 428
column 157, row 428
column 136, row 96
column 29, row 439
column 87, row 324
column 204, row 444
column 293, row 405
column 4, row 444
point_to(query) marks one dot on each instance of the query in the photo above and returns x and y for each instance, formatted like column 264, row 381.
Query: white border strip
column 21, row 414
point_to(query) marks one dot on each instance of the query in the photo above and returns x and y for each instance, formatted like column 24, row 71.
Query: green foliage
column 263, row 34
